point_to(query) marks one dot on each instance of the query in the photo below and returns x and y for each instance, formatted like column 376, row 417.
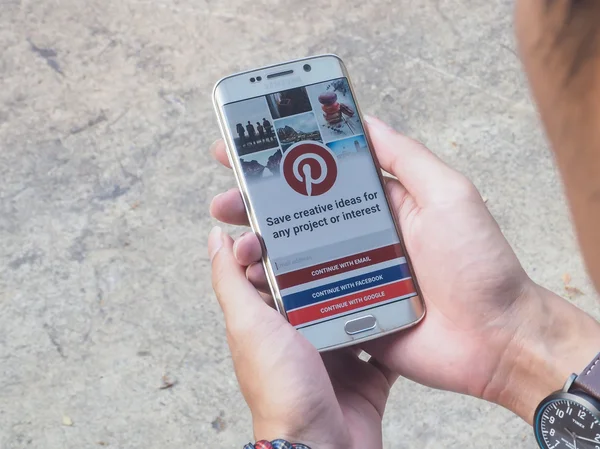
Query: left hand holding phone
column 329, row 401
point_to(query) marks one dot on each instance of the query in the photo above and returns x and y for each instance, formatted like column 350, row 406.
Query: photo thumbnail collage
column 265, row 127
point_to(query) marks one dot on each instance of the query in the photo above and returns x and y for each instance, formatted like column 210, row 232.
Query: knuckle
column 416, row 144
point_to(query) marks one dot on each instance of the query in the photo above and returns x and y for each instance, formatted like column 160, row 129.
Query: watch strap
column 589, row 380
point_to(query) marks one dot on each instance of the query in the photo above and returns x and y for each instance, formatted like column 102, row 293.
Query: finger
column 219, row 152
column 397, row 193
column 389, row 375
column 358, row 352
column 350, row 373
column 337, row 363
column 423, row 174
column 364, row 356
column 268, row 299
column 247, row 249
column 402, row 202
column 257, row 276
column 228, row 207
column 242, row 305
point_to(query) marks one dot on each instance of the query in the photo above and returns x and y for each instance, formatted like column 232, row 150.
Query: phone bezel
column 237, row 87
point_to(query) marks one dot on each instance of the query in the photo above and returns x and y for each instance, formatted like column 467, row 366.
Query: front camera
column 307, row 68
column 252, row 79
column 258, row 78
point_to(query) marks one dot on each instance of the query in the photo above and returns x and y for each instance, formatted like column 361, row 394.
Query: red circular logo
column 309, row 168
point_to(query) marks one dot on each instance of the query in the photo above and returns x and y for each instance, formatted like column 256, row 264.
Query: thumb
column 422, row 173
column 241, row 303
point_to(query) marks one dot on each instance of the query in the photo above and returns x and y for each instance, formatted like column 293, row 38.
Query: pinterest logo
column 309, row 168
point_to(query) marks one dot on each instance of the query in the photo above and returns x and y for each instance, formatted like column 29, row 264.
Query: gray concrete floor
column 105, row 179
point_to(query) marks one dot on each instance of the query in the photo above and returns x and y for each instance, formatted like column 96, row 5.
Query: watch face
column 567, row 421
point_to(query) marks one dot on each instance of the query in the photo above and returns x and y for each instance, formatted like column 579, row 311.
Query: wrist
column 551, row 340
column 275, row 444
column 302, row 435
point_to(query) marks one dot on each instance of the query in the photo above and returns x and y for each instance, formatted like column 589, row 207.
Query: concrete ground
column 105, row 180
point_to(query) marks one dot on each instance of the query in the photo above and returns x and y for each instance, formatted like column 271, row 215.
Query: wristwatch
column 570, row 418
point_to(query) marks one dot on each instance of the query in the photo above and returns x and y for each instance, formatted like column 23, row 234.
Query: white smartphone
column 313, row 190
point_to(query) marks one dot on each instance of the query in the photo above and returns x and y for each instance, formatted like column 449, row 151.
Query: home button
column 363, row 324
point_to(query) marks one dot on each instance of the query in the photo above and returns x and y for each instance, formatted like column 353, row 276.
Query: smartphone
column 313, row 191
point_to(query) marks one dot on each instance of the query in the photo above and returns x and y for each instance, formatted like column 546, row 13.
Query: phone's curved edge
column 278, row 300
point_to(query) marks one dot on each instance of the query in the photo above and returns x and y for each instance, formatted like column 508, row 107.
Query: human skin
column 495, row 334
column 490, row 331
column 559, row 43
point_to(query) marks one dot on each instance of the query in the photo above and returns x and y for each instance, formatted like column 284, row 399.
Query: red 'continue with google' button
column 351, row 302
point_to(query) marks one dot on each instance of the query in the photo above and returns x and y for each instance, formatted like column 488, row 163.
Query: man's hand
column 489, row 331
column 331, row 401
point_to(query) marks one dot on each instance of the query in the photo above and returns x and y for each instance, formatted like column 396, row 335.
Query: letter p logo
column 310, row 168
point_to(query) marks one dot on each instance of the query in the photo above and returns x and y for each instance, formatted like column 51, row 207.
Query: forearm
column 554, row 339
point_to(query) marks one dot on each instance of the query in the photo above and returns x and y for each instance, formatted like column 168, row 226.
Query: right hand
column 485, row 317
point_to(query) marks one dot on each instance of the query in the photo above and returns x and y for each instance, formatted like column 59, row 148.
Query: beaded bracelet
column 275, row 444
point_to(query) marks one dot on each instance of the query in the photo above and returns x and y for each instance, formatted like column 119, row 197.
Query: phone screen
column 316, row 195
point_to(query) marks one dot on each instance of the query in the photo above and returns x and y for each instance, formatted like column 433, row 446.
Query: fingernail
column 376, row 123
column 212, row 206
column 215, row 241
column 214, row 145
column 235, row 248
column 369, row 119
column 236, row 243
